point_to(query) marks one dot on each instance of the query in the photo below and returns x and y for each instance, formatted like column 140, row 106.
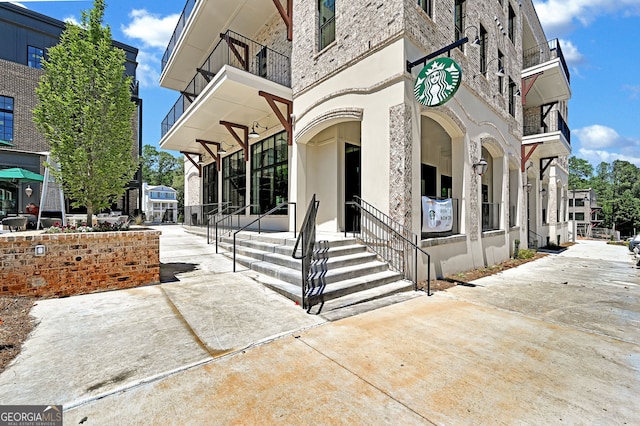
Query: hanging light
column 480, row 167
column 28, row 190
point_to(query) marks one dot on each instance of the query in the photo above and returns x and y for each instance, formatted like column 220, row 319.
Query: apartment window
column 500, row 78
column 459, row 13
column 512, row 24
column 234, row 179
column 512, row 96
column 34, row 57
column 579, row 216
column 210, row 183
column 6, row 119
column 327, row 22
column 483, row 50
column 426, row 5
column 269, row 174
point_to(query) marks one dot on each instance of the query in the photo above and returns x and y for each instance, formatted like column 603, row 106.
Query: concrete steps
column 343, row 273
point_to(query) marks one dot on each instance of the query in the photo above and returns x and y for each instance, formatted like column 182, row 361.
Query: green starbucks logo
column 437, row 82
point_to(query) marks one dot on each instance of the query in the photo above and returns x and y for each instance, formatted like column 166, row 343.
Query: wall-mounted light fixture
column 527, row 187
column 543, row 192
column 480, row 167
column 476, row 40
column 253, row 134
column 499, row 73
column 28, row 191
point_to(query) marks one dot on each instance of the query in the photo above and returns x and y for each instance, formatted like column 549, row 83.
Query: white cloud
column 72, row 19
column 148, row 73
column 560, row 16
column 571, row 53
column 600, row 143
column 153, row 30
column 634, row 91
column 18, row 4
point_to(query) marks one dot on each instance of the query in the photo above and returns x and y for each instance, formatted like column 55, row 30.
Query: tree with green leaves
column 580, row 172
column 159, row 167
column 85, row 112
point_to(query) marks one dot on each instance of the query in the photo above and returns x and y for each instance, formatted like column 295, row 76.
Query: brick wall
column 78, row 263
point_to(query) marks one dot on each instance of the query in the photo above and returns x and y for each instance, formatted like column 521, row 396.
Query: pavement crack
column 213, row 352
column 344, row 367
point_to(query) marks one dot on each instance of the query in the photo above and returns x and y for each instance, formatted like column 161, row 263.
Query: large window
column 327, row 22
column 426, row 5
column 6, row 119
column 512, row 23
column 459, row 19
column 269, row 174
column 34, row 57
column 210, row 183
column 512, row 98
column 234, row 179
column 483, row 50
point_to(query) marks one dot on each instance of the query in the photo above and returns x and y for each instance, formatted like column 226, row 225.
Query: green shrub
column 526, row 254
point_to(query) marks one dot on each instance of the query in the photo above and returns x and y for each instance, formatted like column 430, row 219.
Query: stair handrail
column 258, row 219
column 307, row 237
column 222, row 207
column 230, row 218
column 398, row 230
column 537, row 237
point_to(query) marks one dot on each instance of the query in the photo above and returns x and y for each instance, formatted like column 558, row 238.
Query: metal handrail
column 539, row 238
column 397, row 230
column 222, row 207
column 307, row 237
column 258, row 219
column 230, row 218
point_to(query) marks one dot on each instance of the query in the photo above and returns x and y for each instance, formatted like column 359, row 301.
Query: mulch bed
column 15, row 325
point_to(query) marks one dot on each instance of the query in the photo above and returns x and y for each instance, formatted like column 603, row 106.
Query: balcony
column 197, row 29
column 551, row 130
column 546, row 64
column 225, row 87
column 236, row 51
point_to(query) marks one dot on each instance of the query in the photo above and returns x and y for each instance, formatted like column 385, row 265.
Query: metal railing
column 177, row 32
column 389, row 239
column 535, row 240
column 490, row 216
column 544, row 53
column 226, row 222
column 535, row 124
column 194, row 215
column 258, row 220
column 213, row 215
column 305, row 243
column 237, row 51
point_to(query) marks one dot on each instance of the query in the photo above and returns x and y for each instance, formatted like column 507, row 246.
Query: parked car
column 634, row 242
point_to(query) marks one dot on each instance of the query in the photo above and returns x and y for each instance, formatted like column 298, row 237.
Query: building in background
column 281, row 100
column 585, row 215
column 26, row 36
column 160, row 204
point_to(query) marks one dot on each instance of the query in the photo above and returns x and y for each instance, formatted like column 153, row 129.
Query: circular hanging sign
column 437, row 82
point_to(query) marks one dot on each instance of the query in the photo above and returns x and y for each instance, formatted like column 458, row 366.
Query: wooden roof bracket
column 287, row 122
column 544, row 167
column 242, row 141
column 287, row 16
column 527, row 83
column 243, row 56
column 216, row 156
column 524, row 155
column 196, row 165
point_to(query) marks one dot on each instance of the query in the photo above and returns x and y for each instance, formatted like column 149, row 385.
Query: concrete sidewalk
column 553, row 341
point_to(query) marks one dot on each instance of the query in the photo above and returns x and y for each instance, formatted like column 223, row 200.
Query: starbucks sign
column 438, row 82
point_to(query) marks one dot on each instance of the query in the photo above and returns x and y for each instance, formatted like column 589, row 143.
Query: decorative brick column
column 475, row 148
column 400, row 157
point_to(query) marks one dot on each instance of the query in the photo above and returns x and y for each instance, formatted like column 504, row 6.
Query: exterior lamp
column 480, row 167
column 28, row 191
column 543, row 192
column 527, row 187
column 476, row 41
column 253, row 134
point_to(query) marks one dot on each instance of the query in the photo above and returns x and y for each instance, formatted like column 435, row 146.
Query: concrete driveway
column 554, row 341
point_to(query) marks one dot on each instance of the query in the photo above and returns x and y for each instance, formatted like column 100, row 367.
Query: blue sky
column 599, row 39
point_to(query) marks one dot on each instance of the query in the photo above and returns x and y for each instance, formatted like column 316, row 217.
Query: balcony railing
column 535, row 125
column 544, row 53
column 490, row 216
column 178, row 31
column 237, row 51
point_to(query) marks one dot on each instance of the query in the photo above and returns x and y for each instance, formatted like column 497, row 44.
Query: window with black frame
column 6, row 119
column 35, row 55
column 210, row 183
column 426, row 6
column 269, row 174
column 234, row 179
column 459, row 12
column 327, row 22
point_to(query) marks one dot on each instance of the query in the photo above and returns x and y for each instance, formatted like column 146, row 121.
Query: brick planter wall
column 78, row 263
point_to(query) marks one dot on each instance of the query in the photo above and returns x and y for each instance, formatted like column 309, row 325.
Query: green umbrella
column 16, row 173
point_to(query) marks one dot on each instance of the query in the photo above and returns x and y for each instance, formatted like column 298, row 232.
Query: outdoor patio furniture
column 15, row 223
